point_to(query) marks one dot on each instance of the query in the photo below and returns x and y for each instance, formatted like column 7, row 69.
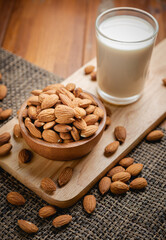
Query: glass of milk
column 125, row 40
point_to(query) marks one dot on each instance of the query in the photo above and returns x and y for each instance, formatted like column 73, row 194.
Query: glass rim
column 129, row 9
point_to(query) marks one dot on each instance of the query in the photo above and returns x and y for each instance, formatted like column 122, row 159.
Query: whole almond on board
column 32, row 112
column 46, row 115
column 164, row 81
column 49, row 125
column 34, row 100
column 99, row 112
column 119, row 187
column 65, row 136
column 75, row 134
column 80, row 124
column 25, row 156
column 25, row 113
column 48, row 185
column 38, row 124
column 115, row 170
column 93, row 76
column 49, row 101
column 88, row 69
column 89, row 131
column 3, row 91
column 47, row 211
column 33, row 130
column 65, row 176
column 4, row 138
column 112, row 147
column 90, row 109
column 70, row 87
column 121, row 176
column 62, row 128
column 155, row 135
column 85, row 95
column 120, row 134
column 66, row 100
column 79, row 112
column 41, row 97
column 89, row 203
column 5, row 114
column 36, row 92
column 62, row 220
column 17, row 131
column 51, row 136
column 126, row 162
column 66, row 112
column 138, row 183
column 104, row 185
column 5, row 149
column 77, row 92
column 91, row 119
column 27, row 226
column 84, row 103
column 15, row 198
column 135, row 169
column 108, row 122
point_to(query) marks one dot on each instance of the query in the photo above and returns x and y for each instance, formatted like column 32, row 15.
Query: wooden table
column 59, row 35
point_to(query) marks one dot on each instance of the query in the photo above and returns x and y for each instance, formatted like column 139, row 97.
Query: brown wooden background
column 59, row 35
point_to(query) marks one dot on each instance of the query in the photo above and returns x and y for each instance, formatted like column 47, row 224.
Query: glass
column 125, row 39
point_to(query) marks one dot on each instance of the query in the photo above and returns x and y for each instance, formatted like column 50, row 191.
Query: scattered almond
column 120, row 134
column 119, row 187
column 4, row 138
column 112, row 147
column 89, row 203
column 27, row 226
column 47, row 211
column 155, row 135
column 115, row 170
column 108, row 122
column 15, row 198
column 5, row 149
column 62, row 220
column 89, row 131
column 65, row 176
column 25, row 156
column 135, row 169
column 88, row 69
column 17, row 131
column 5, row 114
column 126, row 162
column 138, row 183
column 93, row 76
column 104, row 185
column 3, row 91
column 48, row 185
column 121, row 176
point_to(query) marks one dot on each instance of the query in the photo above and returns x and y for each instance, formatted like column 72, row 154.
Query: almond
column 121, row 176
column 15, row 198
column 89, row 131
column 91, row 119
column 70, row 87
column 84, row 103
column 49, row 125
column 17, row 131
column 66, row 100
column 80, row 124
column 112, row 147
column 79, row 112
column 51, row 136
column 64, row 120
column 46, row 115
column 62, row 128
column 164, row 81
column 88, row 69
column 77, row 92
column 3, row 91
column 135, row 169
column 67, row 93
column 155, row 135
column 75, row 134
column 126, row 162
column 104, row 185
column 65, row 176
column 62, row 220
column 138, row 183
column 99, row 112
column 53, row 86
column 25, row 156
column 47, row 211
column 37, row 92
column 48, row 185
column 85, row 95
column 90, row 109
column 5, row 149
column 76, row 102
column 38, row 124
column 27, row 120
column 25, row 113
column 33, row 130
column 41, row 97
column 89, row 203
column 4, row 138
column 34, row 100
column 5, row 114
column 32, row 112
column 49, row 101
column 27, row 226
column 93, row 76
column 64, row 112
column 50, row 92
column 65, row 136
column 115, row 170
column 119, row 187
column 108, row 122
column 120, row 134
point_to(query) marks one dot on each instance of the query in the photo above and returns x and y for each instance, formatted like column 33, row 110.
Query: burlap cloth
column 134, row 216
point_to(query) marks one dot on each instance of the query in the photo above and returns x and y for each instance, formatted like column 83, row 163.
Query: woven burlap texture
column 133, row 216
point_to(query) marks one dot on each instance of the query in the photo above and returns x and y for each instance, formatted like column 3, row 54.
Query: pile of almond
column 62, row 114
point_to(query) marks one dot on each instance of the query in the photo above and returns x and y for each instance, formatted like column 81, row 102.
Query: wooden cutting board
column 138, row 118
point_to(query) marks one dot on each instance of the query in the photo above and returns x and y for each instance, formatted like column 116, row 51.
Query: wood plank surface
column 138, row 119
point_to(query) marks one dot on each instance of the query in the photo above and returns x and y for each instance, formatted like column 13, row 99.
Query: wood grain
column 138, row 119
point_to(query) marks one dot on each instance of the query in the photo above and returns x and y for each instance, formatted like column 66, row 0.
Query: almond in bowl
column 58, row 124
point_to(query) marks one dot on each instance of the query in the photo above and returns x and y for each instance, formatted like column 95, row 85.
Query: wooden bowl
column 62, row 151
